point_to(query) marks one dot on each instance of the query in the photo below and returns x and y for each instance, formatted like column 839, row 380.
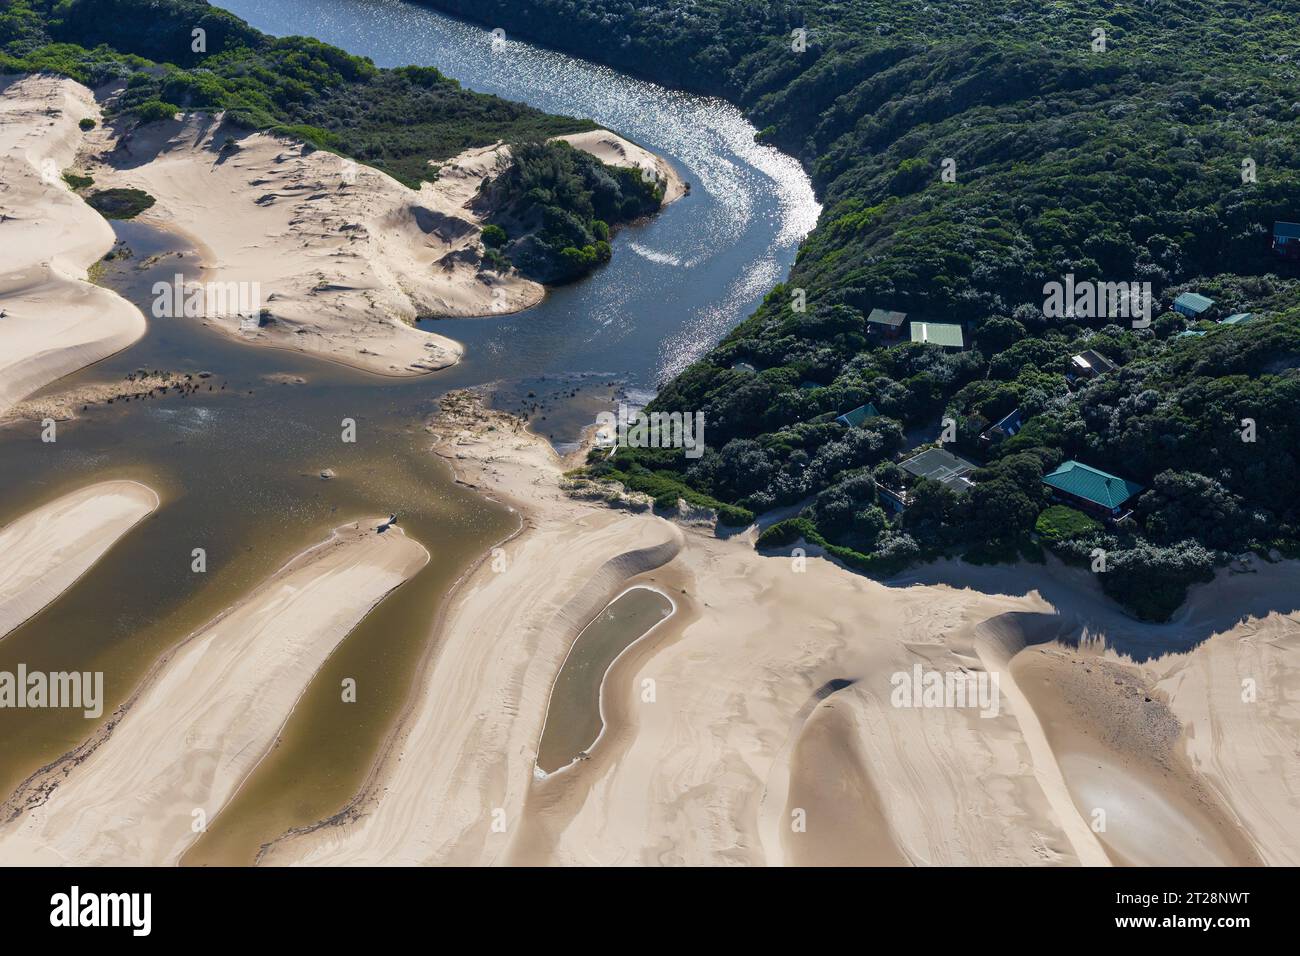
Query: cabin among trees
column 1091, row 490
column 887, row 325
column 1001, row 430
column 1193, row 305
column 1090, row 364
column 944, row 334
column 857, row 416
column 1286, row 240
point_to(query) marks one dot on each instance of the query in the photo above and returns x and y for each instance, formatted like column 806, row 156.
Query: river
column 238, row 469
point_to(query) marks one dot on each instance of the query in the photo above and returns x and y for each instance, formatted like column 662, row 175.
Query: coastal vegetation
column 966, row 156
column 397, row 120
column 553, row 208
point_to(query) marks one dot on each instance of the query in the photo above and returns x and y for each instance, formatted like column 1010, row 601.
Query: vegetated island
column 967, row 156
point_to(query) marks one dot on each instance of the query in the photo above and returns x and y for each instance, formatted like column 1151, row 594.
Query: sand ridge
column 52, row 320
column 207, row 714
column 43, row 552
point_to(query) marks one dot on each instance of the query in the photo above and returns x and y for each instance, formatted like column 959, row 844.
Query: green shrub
column 152, row 111
column 1060, row 523
column 120, row 203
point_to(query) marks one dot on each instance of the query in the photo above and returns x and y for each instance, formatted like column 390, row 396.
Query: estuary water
column 238, row 466
column 679, row 282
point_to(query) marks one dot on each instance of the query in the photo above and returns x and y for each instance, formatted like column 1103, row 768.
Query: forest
column 967, row 155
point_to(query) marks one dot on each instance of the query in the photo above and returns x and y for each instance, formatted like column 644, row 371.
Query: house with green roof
column 1192, row 304
column 945, row 334
column 1092, row 490
column 859, row 415
column 1237, row 317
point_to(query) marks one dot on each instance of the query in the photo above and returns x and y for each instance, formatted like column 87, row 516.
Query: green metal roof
column 885, row 317
column 1092, row 484
column 859, row 415
column 937, row 333
column 1286, row 230
column 1238, row 317
column 1194, row 301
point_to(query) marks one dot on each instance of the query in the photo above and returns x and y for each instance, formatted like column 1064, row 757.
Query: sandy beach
column 769, row 736
column 46, row 550
column 52, row 321
column 174, row 754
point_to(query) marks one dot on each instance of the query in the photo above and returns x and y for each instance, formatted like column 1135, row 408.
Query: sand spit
column 138, row 386
column 613, row 150
column 465, row 757
column 700, row 772
column 758, row 725
column 52, row 320
column 46, row 550
column 208, row 713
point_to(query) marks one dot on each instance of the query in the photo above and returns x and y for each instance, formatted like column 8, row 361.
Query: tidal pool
column 573, row 714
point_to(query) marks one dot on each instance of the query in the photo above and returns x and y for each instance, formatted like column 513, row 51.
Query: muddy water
column 238, row 471
column 573, row 720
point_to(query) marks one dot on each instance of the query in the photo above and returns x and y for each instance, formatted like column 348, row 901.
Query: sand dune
column 1237, row 697
column 1117, row 748
column 771, row 703
column 702, row 774
column 207, row 715
column 54, row 321
column 709, row 772
column 343, row 258
column 46, row 550
column 831, row 786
